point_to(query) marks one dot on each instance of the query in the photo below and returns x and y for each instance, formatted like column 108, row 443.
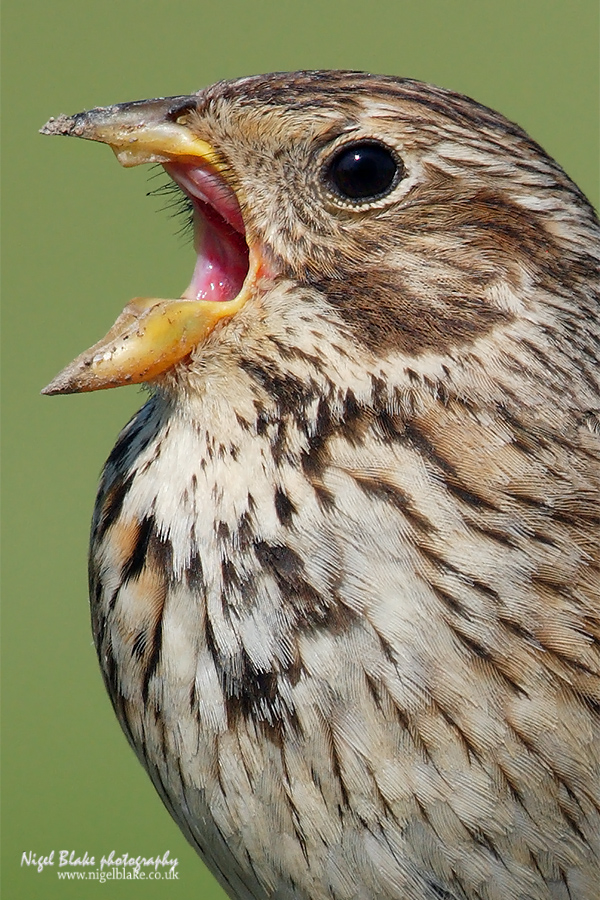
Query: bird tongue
column 219, row 234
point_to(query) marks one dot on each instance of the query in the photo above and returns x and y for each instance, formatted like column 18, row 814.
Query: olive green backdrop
column 81, row 239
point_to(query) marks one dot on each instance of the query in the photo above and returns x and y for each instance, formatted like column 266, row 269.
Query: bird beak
column 151, row 335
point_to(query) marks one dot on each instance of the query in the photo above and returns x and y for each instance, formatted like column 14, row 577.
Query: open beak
column 151, row 335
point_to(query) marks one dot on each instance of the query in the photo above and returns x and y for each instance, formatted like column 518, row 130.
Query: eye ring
column 363, row 171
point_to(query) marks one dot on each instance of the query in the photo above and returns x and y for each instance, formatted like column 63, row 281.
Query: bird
column 345, row 559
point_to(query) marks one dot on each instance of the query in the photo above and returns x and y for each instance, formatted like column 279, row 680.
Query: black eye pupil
column 363, row 171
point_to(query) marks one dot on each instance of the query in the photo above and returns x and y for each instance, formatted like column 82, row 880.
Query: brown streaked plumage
column 345, row 562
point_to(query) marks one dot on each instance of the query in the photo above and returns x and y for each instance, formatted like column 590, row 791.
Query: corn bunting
column 345, row 561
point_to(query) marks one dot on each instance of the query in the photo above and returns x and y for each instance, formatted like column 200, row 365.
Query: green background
column 81, row 239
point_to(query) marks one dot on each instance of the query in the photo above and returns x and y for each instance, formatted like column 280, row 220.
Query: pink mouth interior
column 219, row 234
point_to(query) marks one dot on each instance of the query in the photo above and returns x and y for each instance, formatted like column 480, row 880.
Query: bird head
column 368, row 224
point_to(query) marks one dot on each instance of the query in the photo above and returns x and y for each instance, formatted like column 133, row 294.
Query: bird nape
column 345, row 561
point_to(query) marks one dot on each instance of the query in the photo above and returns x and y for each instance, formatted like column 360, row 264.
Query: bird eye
column 363, row 171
